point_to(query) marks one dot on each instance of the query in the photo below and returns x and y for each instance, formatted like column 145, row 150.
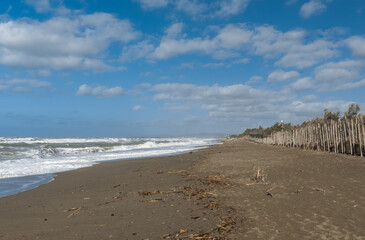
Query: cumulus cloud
column 307, row 55
column 233, row 36
column 295, row 48
column 254, row 79
column 301, row 110
column 239, row 102
column 235, row 101
column 357, row 45
column 228, row 38
column 312, row 7
column 137, row 51
column 191, row 7
column 281, row 76
column 153, row 4
column 303, row 84
column 138, row 108
column 291, row 46
column 99, row 91
column 39, row 5
column 222, row 8
column 231, row 7
column 22, row 85
column 337, row 76
column 62, row 42
column 45, row 6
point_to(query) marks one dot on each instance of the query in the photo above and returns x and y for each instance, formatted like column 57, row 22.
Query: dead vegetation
column 226, row 225
column 202, row 195
column 259, row 175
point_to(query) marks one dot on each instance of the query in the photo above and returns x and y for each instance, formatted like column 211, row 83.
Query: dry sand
column 208, row 194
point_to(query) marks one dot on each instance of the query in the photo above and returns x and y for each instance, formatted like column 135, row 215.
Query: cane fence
column 346, row 136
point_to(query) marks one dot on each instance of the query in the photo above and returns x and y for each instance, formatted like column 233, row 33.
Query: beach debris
column 116, row 186
column 152, row 200
column 177, row 171
column 159, row 172
column 213, row 204
column 75, row 210
column 150, row 193
column 217, row 180
column 71, row 209
column 313, row 188
column 259, row 175
column 269, row 193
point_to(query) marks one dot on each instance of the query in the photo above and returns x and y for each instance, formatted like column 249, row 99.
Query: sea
column 26, row 163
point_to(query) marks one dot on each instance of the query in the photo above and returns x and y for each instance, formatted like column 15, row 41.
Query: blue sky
column 92, row 68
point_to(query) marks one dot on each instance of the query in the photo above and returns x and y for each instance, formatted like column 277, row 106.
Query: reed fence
column 346, row 136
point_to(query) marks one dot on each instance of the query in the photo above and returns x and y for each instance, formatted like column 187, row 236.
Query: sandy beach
column 237, row 190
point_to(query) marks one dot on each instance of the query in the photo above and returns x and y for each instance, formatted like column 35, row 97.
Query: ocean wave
column 34, row 156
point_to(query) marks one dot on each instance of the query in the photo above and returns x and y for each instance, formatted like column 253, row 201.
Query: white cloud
column 291, row 46
column 335, row 75
column 191, row 7
column 136, row 51
column 351, row 85
column 242, row 103
column 61, row 42
column 312, row 7
column 153, row 4
column 233, row 36
column 338, row 75
column 241, row 61
column 195, row 8
column 290, row 2
column 254, row 79
column 281, row 76
column 357, row 45
column 310, row 98
column 307, row 55
column 171, row 47
column 231, row 7
column 303, row 84
column 138, row 108
column 39, row 5
column 234, row 101
column 308, row 110
column 228, row 38
column 174, row 31
column 295, row 48
column 44, row 6
column 270, row 42
column 213, row 65
column 44, row 73
column 99, row 91
column 22, row 85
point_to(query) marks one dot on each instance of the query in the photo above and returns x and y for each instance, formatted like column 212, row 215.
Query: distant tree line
column 261, row 132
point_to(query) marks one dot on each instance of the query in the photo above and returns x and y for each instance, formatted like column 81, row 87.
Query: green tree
column 353, row 110
column 330, row 116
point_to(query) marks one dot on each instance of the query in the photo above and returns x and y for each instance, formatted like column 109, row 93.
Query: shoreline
column 201, row 195
column 29, row 182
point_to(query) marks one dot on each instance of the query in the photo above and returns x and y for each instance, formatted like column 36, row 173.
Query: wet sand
column 208, row 194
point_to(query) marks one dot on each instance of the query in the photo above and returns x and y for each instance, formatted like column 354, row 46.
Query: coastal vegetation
column 328, row 116
column 332, row 133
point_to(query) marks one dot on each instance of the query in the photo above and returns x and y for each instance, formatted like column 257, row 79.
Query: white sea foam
column 21, row 157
